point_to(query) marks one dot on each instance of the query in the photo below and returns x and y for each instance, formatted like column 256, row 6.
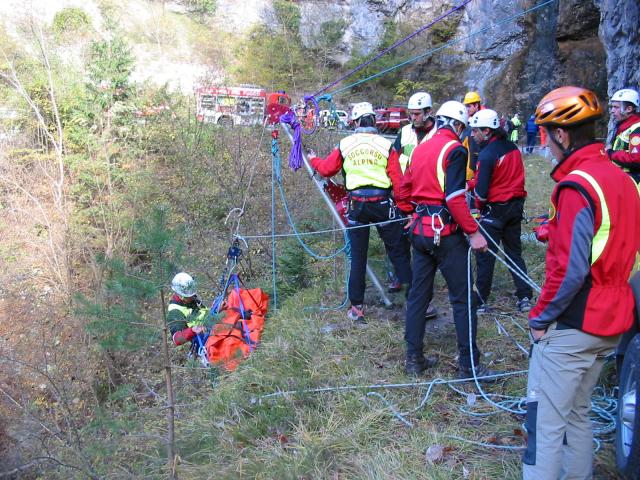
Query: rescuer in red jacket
column 586, row 302
column 434, row 181
column 625, row 150
column 499, row 195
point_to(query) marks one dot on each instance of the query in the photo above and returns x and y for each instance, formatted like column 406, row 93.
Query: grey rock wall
column 620, row 34
column 579, row 42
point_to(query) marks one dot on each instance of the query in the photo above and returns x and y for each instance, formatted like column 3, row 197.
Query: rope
column 395, row 45
column 517, row 270
column 343, row 388
column 319, row 232
column 297, row 235
column 295, row 155
column 275, row 168
column 441, row 47
column 251, row 174
column 277, row 180
column 604, row 404
column 501, row 405
column 290, row 118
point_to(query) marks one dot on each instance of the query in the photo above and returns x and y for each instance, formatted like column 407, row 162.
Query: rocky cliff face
column 581, row 42
column 621, row 38
column 512, row 64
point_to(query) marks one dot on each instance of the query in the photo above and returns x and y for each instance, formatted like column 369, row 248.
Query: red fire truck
column 242, row 105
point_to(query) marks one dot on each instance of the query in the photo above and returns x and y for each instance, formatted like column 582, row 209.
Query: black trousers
column 531, row 142
column 363, row 213
column 502, row 223
column 451, row 258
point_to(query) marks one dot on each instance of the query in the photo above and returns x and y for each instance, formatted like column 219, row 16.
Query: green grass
column 343, row 435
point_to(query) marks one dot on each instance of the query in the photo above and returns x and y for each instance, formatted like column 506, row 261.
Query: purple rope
column 397, row 44
column 295, row 155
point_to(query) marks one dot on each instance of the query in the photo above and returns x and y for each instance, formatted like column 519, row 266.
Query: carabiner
column 438, row 229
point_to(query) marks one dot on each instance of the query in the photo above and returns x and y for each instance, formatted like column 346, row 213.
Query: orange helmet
column 568, row 107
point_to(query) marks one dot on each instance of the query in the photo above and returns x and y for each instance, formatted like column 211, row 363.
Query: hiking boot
column 431, row 313
column 481, row 371
column 356, row 314
column 417, row 363
column 523, row 305
column 483, row 309
column 394, row 287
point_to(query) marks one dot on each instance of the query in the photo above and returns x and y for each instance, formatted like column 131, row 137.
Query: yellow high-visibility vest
column 622, row 141
column 186, row 311
column 365, row 157
column 602, row 234
column 408, row 142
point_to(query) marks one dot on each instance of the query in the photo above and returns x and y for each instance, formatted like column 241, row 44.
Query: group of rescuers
column 439, row 166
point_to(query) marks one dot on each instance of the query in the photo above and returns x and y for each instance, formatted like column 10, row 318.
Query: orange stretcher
column 234, row 337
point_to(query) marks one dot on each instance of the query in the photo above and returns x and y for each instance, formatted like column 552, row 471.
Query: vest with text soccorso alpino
column 365, row 157
column 409, row 141
column 193, row 320
column 428, row 167
column 604, row 304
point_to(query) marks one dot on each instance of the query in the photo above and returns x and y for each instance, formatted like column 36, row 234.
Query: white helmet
column 486, row 118
column 419, row 101
column 361, row 109
column 626, row 95
column 184, row 285
column 453, row 110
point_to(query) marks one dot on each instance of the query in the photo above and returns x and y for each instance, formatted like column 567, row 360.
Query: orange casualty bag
column 238, row 333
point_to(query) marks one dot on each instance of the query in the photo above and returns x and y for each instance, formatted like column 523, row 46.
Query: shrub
column 71, row 20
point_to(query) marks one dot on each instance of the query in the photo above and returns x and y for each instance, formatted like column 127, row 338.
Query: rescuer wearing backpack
column 586, row 302
column 435, row 182
column 499, row 195
column 186, row 314
column 625, row 151
column 370, row 177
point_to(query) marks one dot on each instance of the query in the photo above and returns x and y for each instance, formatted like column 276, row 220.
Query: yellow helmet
column 471, row 97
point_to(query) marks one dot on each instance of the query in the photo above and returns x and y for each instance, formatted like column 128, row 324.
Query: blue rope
column 245, row 330
column 441, row 47
column 275, row 155
column 275, row 162
column 299, row 237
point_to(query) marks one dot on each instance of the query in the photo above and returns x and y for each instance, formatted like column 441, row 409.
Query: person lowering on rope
column 473, row 104
column 370, row 175
column 421, row 128
column 186, row 314
column 499, row 195
column 586, row 301
column 625, row 151
column 435, row 182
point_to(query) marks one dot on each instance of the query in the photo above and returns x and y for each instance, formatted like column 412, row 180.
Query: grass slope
column 235, row 433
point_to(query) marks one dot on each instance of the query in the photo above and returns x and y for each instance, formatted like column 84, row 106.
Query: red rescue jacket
column 500, row 172
column 436, row 176
column 594, row 236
